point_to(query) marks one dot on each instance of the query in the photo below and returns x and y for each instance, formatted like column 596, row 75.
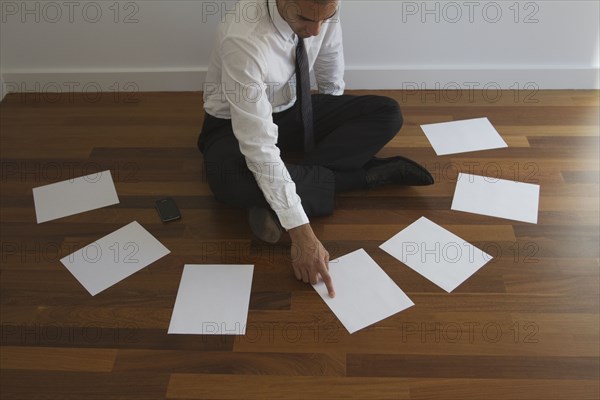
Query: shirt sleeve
column 243, row 85
column 329, row 64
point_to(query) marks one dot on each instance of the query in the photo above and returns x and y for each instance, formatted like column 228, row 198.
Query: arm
column 243, row 84
column 251, row 114
column 329, row 64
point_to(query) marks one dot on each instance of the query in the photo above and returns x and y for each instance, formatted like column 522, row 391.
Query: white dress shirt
column 252, row 75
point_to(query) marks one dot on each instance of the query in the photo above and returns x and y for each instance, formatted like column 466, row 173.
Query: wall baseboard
column 92, row 82
column 2, row 87
column 175, row 80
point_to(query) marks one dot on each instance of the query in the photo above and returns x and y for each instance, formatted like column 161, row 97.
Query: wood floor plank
column 178, row 361
column 492, row 389
column 96, row 336
column 474, row 367
column 201, row 386
column 384, row 232
column 34, row 385
column 57, row 359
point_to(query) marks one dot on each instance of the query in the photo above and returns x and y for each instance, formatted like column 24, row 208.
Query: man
column 252, row 115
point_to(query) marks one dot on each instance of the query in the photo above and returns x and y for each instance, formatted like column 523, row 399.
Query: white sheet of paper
column 364, row 293
column 114, row 257
column 212, row 300
column 463, row 136
column 497, row 198
column 437, row 254
column 74, row 196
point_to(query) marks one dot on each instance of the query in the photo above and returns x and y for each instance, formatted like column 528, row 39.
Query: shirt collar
column 282, row 26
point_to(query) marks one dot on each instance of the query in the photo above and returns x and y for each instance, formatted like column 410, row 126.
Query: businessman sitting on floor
column 258, row 103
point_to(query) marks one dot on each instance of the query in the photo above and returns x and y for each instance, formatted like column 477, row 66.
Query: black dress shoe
column 397, row 170
column 265, row 224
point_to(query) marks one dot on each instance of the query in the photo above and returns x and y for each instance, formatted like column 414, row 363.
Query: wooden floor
column 526, row 326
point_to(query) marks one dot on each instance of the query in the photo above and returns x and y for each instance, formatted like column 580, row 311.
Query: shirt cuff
column 333, row 89
column 292, row 217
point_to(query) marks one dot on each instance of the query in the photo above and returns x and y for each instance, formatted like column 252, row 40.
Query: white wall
column 165, row 45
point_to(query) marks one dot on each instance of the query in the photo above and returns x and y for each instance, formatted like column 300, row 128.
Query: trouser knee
column 391, row 110
column 229, row 182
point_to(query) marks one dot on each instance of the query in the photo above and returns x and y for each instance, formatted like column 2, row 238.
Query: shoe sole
column 419, row 167
column 264, row 225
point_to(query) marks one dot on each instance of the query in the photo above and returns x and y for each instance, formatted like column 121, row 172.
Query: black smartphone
column 167, row 209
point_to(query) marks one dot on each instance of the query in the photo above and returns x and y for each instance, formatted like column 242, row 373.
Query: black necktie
column 303, row 95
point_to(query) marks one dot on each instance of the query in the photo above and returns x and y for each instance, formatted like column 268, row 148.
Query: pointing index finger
column 327, row 279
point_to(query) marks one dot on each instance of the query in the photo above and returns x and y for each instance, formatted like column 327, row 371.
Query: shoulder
column 249, row 22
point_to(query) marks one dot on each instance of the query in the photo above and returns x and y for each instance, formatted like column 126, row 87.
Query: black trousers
column 349, row 131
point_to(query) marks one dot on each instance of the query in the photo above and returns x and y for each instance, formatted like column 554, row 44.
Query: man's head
column 306, row 17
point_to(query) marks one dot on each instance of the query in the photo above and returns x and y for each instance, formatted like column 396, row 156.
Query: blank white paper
column 114, row 257
column 497, row 198
column 74, row 196
column 463, row 136
column 437, row 254
column 364, row 293
column 212, row 300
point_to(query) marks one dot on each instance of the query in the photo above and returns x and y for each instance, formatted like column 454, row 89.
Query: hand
column 309, row 258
